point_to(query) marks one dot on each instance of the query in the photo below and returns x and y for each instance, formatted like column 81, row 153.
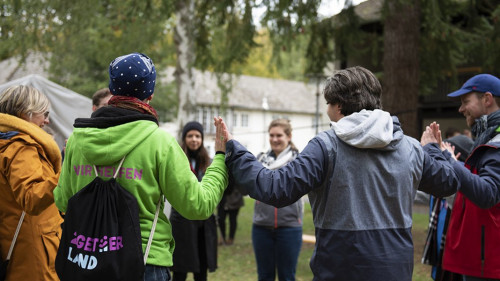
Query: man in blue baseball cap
column 472, row 246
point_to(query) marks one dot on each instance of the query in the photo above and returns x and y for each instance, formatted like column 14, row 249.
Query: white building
column 253, row 103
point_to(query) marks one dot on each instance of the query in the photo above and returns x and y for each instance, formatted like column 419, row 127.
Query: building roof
column 251, row 93
column 369, row 11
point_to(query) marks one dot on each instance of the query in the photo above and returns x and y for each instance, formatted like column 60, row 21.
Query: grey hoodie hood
column 369, row 130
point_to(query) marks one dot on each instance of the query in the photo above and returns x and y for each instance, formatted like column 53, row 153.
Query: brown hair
column 99, row 95
column 200, row 156
column 287, row 128
column 353, row 89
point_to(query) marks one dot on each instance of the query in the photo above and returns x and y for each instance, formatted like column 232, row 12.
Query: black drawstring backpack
column 101, row 238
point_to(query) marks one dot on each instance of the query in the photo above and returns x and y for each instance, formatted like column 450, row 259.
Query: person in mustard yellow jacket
column 30, row 162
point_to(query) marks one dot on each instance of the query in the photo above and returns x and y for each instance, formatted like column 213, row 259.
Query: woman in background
column 195, row 240
column 30, row 162
column 277, row 232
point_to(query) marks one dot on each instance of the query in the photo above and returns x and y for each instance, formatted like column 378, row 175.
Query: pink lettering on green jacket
column 108, row 172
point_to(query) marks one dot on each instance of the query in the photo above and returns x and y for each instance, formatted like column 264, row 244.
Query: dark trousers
column 233, row 222
column 156, row 273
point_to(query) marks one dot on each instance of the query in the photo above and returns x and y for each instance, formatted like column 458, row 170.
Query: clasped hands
column 432, row 134
column 222, row 135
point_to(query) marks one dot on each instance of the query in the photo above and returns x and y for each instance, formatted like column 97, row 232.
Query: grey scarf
column 484, row 128
column 270, row 161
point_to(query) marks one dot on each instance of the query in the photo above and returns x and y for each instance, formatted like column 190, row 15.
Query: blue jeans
column 276, row 249
column 156, row 273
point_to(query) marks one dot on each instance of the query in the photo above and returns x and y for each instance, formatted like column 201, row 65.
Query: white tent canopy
column 66, row 105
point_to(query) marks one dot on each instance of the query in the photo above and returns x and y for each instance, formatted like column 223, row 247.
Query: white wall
column 255, row 137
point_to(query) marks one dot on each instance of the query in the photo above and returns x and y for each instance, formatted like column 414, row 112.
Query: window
column 211, row 128
column 234, row 122
column 244, row 120
column 206, row 114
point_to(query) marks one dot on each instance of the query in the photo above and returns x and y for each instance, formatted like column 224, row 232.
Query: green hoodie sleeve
column 192, row 199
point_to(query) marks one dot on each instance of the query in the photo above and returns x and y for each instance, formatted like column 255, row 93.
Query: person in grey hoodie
column 361, row 177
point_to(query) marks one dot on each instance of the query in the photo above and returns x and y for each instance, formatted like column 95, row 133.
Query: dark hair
column 99, row 95
column 353, row 89
column 200, row 155
column 287, row 128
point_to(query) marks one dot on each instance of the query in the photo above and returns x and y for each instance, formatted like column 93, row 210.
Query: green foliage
column 259, row 59
column 25, row 25
column 454, row 34
column 457, row 34
column 165, row 101
column 84, row 36
column 289, row 65
column 286, row 20
column 224, row 36
column 443, row 43
column 92, row 33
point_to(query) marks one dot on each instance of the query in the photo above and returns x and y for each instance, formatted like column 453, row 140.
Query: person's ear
column 489, row 99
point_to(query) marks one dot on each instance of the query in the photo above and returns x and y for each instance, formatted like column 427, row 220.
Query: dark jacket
column 472, row 242
column 190, row 236
column 232, row 199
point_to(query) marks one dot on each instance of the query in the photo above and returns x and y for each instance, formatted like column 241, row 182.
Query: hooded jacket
column 361, row 178
column 154, row 165
column 30, row 162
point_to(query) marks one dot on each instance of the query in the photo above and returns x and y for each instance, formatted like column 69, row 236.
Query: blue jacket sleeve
column 483, row 188
column 438, row 176
column 283, row 186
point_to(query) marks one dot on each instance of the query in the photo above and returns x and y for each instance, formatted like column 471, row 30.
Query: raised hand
column 428, row 136
column 222, row 135
column 450, row 148
column 437, row 133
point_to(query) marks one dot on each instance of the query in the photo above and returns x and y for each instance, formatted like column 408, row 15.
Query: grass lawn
column 237, row 262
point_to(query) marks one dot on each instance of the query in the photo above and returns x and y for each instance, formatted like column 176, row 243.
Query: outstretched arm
column 280, row 187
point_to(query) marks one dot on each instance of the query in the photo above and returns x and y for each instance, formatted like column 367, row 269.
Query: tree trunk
column 401, row 63
column 183, row 38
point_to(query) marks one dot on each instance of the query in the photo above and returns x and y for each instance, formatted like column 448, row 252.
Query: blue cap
column 480, row 83
column 132, row 75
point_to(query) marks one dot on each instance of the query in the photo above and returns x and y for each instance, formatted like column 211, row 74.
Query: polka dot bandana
column 132, row 75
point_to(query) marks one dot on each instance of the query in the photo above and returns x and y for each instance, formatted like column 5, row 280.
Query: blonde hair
column 23, row 100
column 287, row 129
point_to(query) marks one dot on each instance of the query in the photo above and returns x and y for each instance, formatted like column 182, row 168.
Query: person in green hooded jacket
column 155, row 164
